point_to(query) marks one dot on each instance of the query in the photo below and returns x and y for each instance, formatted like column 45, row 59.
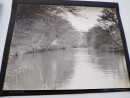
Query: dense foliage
column 45, row 27
column 39, row 28
column 106, row 35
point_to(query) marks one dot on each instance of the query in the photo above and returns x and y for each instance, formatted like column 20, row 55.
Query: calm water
column 78, row 68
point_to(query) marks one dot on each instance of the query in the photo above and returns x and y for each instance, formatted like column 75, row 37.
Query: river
column 77, row 68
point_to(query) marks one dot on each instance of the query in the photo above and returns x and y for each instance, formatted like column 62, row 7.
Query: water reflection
column 66, row 69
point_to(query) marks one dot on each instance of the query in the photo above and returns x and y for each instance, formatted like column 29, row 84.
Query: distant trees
column 106, row 35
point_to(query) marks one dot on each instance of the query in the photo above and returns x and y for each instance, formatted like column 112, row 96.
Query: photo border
column 54, row 92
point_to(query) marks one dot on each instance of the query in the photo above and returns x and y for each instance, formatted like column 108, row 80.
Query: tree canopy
column 38, row 27
column 106, row 35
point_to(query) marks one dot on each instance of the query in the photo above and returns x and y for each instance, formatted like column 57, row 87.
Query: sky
column 89, row 19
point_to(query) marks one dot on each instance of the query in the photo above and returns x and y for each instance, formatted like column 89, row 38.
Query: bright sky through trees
column 90, row 16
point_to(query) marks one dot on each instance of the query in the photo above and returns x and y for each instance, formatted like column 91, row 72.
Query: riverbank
column 23, row 50
column 109, row 48
column 17, row 50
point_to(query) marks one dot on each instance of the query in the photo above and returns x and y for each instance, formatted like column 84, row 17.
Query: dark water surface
column 77, row 68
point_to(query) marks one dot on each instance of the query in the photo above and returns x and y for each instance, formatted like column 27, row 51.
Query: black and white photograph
column 60, row 47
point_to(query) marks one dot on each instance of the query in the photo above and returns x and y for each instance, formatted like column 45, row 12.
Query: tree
column 37, row 26
column 108, row 21
column 105, row 36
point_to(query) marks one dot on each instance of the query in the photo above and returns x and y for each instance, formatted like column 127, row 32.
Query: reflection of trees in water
column 110, row 63
column 59, row 69
column 47, row 70
column 56, row 71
